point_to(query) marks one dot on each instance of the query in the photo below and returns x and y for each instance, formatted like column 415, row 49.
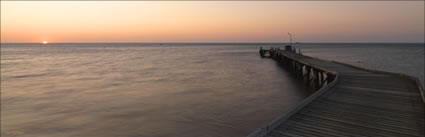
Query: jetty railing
column 321, row 78
column 313, row 75
column 411, row 78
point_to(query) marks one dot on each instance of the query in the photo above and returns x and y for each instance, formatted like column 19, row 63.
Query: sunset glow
column 212, row 21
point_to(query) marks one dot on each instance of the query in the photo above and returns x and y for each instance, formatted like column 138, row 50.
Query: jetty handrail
column 411, row 78
column 313, row 66
column 261, row 132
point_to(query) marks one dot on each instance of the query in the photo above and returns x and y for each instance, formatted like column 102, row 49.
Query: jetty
column 348, row 101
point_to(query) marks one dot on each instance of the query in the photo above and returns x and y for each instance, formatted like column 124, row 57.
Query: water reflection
column 129, row 90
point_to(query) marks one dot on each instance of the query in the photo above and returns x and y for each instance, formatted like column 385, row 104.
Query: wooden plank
column 382, row 87
column 353, row 129
column 377, row 91
column 367, row 97
column 388, row 115
column 377, row 105
column 410, row 125
column 319, row 129
column 376, row 126
column 367, row 109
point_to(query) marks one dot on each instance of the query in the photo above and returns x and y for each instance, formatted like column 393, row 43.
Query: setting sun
column 45, row 42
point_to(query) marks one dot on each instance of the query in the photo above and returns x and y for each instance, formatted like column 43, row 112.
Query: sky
column 212, row 21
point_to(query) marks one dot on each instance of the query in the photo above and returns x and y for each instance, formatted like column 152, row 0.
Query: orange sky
column 212, row 21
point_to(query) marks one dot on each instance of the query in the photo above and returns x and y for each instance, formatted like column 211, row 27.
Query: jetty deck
column 349, row 101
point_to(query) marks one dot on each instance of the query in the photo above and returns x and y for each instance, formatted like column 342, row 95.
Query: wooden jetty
column 349, row 101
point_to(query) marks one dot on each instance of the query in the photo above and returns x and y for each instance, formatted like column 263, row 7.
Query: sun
column 45, row 42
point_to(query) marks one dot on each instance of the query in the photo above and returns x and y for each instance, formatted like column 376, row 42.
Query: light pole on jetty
column 289, row 47
column 290, row 38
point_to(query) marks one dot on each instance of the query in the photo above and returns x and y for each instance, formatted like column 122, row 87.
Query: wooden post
column 323, row 80
column 319, row 79
column 308, row 75
column 316, row 73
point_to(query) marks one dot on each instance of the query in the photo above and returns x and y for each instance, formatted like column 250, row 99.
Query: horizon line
column 209, row 42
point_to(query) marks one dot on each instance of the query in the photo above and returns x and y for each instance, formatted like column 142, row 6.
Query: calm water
column 140, row 90
column 133, row 90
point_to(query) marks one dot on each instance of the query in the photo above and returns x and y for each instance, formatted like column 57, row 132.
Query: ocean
column 161, row 90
